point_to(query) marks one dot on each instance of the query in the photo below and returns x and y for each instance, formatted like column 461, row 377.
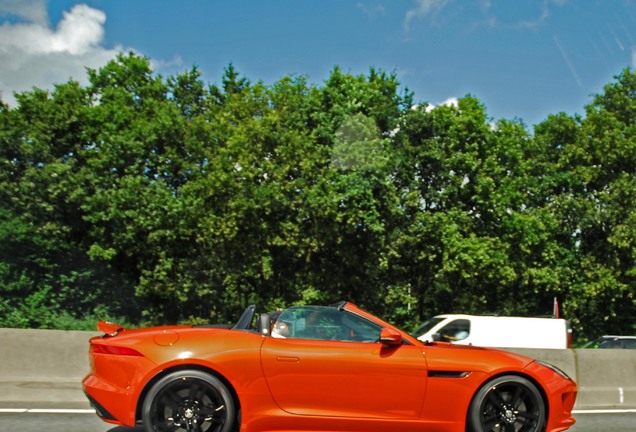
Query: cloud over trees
column 35, row 53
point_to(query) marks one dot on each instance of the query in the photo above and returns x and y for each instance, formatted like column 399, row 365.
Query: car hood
column 443, row 356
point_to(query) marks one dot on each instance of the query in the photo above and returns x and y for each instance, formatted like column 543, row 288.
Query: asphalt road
column 36, row 421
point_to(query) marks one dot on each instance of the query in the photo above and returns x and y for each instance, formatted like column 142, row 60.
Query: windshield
column 324, row 323
column 427, row 326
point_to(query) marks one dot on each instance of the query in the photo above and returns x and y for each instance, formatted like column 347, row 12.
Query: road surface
column 83, row 420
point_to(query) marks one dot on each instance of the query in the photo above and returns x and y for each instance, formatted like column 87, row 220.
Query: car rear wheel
column 191, row 401
column 507, row 404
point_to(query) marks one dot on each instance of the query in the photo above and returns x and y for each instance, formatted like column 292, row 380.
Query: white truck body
column 497, row 331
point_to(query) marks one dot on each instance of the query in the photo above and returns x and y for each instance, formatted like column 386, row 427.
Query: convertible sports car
column 317, row 368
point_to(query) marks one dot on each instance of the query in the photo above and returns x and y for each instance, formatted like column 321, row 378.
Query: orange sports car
column 317, row 368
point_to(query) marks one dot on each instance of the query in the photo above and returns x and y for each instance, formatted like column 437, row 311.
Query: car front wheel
column 507, row 404
column 191, row 401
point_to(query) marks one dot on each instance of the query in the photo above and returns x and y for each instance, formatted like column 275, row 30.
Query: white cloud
column 34, row 54
column 30, row 10
column 80, row 31
column 451, row 102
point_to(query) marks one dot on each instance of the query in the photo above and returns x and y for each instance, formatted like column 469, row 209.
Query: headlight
column 554, row 368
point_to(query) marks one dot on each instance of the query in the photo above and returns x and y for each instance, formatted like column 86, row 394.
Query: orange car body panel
column 320, row 385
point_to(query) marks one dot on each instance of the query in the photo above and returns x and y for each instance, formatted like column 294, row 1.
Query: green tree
column 48, row 279
column 163, row 200
column 603, row 165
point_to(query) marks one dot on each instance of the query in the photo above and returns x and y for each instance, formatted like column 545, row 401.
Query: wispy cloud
column 536, row 22
column 371, row 10
column 35, row 54
column 545, row 12
column 422, row 9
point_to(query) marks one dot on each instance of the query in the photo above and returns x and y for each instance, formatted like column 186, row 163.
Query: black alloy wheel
column 507, row 404
column 190, row 401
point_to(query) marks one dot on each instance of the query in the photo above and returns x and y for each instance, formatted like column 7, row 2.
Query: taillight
column 115, row 350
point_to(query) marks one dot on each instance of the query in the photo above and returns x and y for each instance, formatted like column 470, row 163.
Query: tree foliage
column 154, row 200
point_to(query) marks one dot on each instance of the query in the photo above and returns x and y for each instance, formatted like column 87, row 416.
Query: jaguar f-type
column 317, row 368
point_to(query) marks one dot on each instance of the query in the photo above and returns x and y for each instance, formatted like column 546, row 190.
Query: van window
column 455, row 330
column 426, row 326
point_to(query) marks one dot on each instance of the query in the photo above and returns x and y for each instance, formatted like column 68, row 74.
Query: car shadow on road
column 126, row 429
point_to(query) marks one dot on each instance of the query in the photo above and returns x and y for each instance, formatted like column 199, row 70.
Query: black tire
column 191, row 401
column 507, row 404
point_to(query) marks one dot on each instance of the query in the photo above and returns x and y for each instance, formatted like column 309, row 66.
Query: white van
column 497, row 331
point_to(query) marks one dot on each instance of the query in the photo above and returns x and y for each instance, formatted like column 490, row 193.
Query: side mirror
column 390, row 337
column 437, row 337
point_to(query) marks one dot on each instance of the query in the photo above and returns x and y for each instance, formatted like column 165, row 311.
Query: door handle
column 288, row 359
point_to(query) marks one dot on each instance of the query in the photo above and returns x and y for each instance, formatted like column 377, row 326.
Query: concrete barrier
column 606, row 377
column 43, row 365
column 48, row 366
column 564, row 359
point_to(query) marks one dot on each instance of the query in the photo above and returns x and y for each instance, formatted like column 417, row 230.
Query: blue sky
column 521, row 58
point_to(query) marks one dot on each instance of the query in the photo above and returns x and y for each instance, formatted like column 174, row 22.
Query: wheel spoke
column 171, row 399
column 214, row 415
column 519, row 397
column 211, row 409
column 527, row 415
column 495, row 397
column 489, row 417
column 489, row 424
column 195, row 391
column 509, row 427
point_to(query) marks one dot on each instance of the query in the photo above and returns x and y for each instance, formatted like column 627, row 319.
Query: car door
column 345, row 378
